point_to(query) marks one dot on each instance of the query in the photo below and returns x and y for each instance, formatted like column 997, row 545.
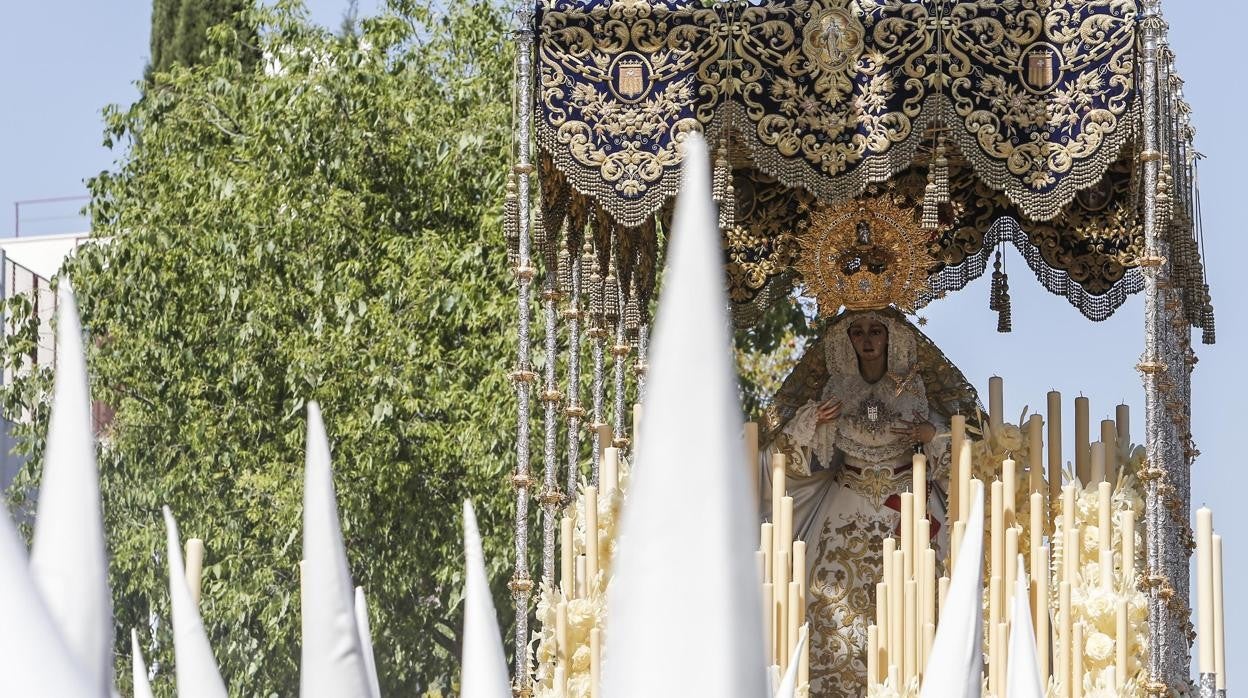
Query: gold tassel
column 931, row 208
column 994, row 294
column 724, row 192
column 565, row 272
column 1209, row 334
column 1005, row 320
column 939, row 176
column 611, row 299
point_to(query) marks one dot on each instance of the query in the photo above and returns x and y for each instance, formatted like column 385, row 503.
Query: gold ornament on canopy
column 865, row 254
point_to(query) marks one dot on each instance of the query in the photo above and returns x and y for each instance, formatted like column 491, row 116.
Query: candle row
column 782, row 573
column 900, row 641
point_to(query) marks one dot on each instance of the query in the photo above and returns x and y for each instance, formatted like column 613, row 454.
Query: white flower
column 1099, row 647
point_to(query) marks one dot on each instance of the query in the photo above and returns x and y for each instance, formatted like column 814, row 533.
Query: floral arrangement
column 585, row 612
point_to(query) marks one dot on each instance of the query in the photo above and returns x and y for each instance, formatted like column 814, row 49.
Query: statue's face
column 870, row 339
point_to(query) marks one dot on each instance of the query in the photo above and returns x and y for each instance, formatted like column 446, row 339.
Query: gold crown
column 865, row 254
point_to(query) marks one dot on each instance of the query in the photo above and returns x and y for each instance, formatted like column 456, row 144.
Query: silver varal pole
column 521, row 584
column 1152, row 366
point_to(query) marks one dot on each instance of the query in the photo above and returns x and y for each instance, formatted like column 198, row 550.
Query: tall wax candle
column 1097, row 472
column 964, row 482
column 957, row 430
column 1219, row 616
column 873, row 656
column 1083, row 454
column 997, row 540
column 1035, row 453
column 567, row 572
column 1077, row 662
column 1068, row 522
column 769, row 622
column 194, row 567
column 897, row 613
column 919, row 469
column 580, row 586
column 996, row 403
column 1105, row 530
column 777, row 484
column 591, row 537
column 1040, row 583
column 909, row 620
column 1055, row 446
column 794, row 624
column 784, row 541
column 1121, row 645
column 561, row 635
column 1011, row 569
column 750, row 435
column 1109, row 437
column 767, row 544
column 605, row 438
column 1009, row 485
column 595, row 663
column 1128, row 548
column 929, row 591
column 1204, row 588
column 959, row 530
column 1066, row 641
column 907, row 534
column 942, row 590
column 799, row 565
column 609, row 473
column 881, row 618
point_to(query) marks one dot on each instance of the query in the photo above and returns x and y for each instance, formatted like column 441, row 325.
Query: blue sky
column 60, row 63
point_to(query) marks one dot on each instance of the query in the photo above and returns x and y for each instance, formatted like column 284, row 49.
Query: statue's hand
column 920, row 429
column 828, row 411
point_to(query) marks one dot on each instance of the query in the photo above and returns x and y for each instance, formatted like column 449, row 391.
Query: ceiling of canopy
column 1027, row 114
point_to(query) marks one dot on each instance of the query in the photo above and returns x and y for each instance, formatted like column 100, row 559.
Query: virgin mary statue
column 870, row 392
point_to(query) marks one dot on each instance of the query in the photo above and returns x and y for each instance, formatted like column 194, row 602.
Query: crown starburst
column 865, row 254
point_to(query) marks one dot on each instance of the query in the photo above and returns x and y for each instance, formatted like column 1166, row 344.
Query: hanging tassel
column 632, row 312
column 1209, row 333
column 939, row 176
column 565, row 272
column 595, row 296
column 723, row 190
column 931, row 208
column 611, row 299
column 994, row 294
column 511, row 221
column 1005, row 320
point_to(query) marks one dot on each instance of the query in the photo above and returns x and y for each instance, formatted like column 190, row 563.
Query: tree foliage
column 180, row 30
column 321, row 224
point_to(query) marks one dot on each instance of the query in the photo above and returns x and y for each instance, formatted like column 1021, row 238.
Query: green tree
column 324, row 225
column 180, row 30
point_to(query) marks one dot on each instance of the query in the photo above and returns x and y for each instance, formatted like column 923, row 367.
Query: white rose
column 1099, row 647
column 1010, row 439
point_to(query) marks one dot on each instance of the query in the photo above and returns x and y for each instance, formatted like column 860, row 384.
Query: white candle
column 882, row 622
column 873, row 656
column 777, row 484
column 609, row 473
column 964, row 483
column 1105, row 534
column 897, row 613
column 1066, row 641
column 561, row 636
column 907, row 535
column 1109, row 438
column 957, row 430
column 1204, row 586
column 1011, row 570
column 1041, row 584
column 580, row 587
column 794, row 624
column 595, row 662
column 769, row 623
column 566, row 569
column 996, row 403
column 1097, row 472
column 605, row 438
column 1077, row 659
column 919, row 468
column 194, row 567
column 943, row 591
column 751, row 455
column 1122, row 418
column 1083, row 454
column 768, row 546
column 1068, row 522
column 910, row 618
column 1055, row 446
column 1121, row 645
column 784, row 540
column 591, row 537
column 799, row 565
column 1219, row 617
column 1035, row 453
column 997, row 558
column 1009, row 485
column 1128, row 549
